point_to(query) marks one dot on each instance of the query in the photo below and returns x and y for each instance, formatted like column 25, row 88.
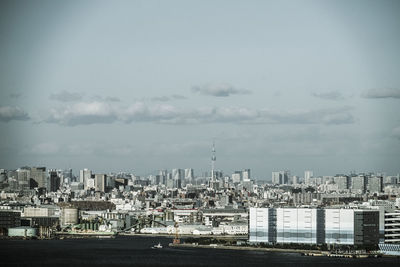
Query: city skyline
column 147, row 85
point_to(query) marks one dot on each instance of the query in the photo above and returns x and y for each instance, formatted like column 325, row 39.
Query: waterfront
column 136, row 251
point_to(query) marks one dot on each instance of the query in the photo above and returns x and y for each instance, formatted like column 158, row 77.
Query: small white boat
column 156, row 246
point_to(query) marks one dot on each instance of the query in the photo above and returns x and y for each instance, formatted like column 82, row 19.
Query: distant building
column 54, row 181
column 358, row 184
column 280, row 177
column 39, row 177
column 375, row 184
column 84, row 176
column 100, row 181
column 307, row 176
column 246, row 175
column 342, row 182
column 236, row 177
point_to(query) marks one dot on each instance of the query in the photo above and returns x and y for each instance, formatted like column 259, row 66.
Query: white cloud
column 8, row 113
column 381, row 93
column 219, row 90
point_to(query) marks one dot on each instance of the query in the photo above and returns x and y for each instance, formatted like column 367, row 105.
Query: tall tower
column 213, row 159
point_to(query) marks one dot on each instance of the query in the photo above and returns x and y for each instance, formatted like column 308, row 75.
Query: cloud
column 112, row 99
column 103, row 112
column 161, row 98
column 396, row 132
column 106, row 99
column 168, row 98
column 83, row 113
column 219, row 90
column 15, row 95
column 45, row 149
column 332, row 95
column 65, row 96
column 381, row 93
column 8, row 113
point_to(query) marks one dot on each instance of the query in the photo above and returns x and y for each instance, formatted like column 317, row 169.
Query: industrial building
column 314, row 226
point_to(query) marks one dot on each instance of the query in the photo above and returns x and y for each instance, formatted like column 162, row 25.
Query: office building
column 314, row 226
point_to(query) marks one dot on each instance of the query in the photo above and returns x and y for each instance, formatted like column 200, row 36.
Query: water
column 136, row 251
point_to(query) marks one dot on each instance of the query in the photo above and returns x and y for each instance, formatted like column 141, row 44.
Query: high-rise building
column 54, row 180
column 39, row 177
column 84, row 176
column 342, row 182
column 23, row 176
column 314, row 226
column 189, row 173
column 246, row 175
column 280, row 177
column 307, row 176
column 100, row 181
column 359, row 183
column 375, row 184
column 236, row 177
column 177, row 176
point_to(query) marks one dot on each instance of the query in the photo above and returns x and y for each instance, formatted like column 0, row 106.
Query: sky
column 147, row 85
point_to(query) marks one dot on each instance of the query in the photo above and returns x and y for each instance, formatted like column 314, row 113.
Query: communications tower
column 213, row 159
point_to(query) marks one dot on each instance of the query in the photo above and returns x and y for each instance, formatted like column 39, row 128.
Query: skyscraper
column 280, row 177
column 84, row 176
column 307, row 176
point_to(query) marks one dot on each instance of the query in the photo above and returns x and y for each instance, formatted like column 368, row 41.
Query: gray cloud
column 112, row 99
column 396, row 132
column 332, row 95
column 168, row 98
column 65, row 96
column 103, row 112
column 106, row 99
column 8, row 113
column 219, row 90
column 381, row 93
column 15, row 95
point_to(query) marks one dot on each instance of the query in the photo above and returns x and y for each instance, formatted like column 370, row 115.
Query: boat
column 157, row 246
